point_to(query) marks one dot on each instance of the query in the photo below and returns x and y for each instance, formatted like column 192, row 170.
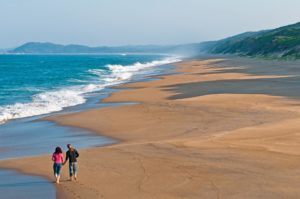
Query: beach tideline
column 216, row 129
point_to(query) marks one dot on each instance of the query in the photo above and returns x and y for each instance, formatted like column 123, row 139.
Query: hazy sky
column 120, row 22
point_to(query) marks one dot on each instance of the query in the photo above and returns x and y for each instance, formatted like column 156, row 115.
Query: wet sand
column 217, row 129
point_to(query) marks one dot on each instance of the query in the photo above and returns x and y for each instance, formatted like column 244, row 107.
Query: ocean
column 32, row 85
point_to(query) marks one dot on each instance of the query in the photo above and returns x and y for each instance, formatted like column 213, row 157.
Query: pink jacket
column 58, row 158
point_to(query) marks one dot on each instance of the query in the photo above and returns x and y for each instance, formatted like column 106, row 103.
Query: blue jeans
column 72, row 168
column 56, row 169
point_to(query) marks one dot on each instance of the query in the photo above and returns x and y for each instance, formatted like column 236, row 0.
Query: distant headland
column 283, row 42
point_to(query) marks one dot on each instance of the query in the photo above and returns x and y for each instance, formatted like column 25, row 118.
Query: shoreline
column 16, row 186
column 181, row 136
column 72, row 93
column 87, row 139
column 34, row 124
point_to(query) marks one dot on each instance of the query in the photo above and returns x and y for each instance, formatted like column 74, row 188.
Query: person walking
column 72, row 155
column 58, row 159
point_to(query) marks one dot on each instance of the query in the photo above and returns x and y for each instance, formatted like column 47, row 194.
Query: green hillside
column 281, row 42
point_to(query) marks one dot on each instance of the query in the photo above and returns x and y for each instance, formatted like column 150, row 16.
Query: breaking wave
column 56, row 100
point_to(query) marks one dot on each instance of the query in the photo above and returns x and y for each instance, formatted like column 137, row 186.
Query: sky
column 135, row 22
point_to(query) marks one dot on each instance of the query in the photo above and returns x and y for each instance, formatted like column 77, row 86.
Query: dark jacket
column 72, row 155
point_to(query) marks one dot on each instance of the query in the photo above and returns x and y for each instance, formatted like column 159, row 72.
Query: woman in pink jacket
column 58, row 159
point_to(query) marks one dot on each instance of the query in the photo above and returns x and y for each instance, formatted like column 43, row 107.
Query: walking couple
column 58, row 159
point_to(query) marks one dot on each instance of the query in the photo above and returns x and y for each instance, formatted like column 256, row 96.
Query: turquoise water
column 33, row 85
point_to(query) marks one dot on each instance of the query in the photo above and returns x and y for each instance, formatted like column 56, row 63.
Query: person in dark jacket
column 72, row 155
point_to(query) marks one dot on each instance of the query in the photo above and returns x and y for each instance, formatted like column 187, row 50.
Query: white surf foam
column 120, row 72
column 56, row 100
column 42, row 103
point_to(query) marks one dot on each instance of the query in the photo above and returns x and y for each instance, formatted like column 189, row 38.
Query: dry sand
column 180, row 144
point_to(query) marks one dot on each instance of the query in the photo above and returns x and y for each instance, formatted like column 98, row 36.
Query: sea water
column 32, row 85
column 14, row 186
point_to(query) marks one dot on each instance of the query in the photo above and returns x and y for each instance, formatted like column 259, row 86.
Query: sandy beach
column 218, row 128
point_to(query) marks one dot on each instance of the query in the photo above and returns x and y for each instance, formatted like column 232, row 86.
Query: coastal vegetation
column 283, row 42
